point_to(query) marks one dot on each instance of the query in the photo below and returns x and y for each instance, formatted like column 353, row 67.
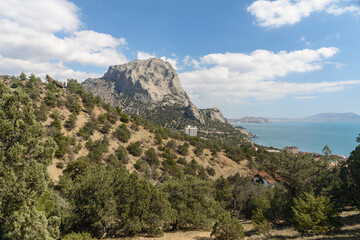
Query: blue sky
column 279, row 58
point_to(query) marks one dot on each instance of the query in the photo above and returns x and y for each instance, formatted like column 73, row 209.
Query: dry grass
column 53, row 171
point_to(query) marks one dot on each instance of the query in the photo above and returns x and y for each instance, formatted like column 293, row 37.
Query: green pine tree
column 24, row 156
column 314, row 214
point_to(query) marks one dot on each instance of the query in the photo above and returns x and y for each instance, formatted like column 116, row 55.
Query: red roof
column 266, row 176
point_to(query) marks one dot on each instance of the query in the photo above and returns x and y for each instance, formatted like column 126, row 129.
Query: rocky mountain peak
column 151, row 88
column 150, row 81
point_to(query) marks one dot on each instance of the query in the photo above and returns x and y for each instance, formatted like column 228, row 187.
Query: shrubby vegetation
column 97, row 197
column 78, row 236
column 71, row 121
column 193, row 202
column 227, row 228
column 41, row 112
column 349, row 188
column 24, row 156
column 314, row 214
column 135, row 149
column 183, row 149
column 152, row 158
column 122, row 133
column 73, row 104
column 105, row 200
column 122, row 155
column 32, row 87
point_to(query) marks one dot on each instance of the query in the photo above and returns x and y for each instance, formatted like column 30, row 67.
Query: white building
column 264, row 178
column 191, row 130
column 292, row 150
column 273, row 150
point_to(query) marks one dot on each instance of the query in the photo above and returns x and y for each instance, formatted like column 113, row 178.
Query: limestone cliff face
column 152, row 81
column 142, row 85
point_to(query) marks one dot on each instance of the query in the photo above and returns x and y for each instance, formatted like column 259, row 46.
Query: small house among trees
column 264, row 178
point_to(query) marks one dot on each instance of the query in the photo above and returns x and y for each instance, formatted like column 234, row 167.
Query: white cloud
column 235, row 77
column 263, row 64
column 144, row 55
column 336, row 10
column 30, row 30
column 287, row 12
column 42, row 15
column 191, row 62
column 172, row 61
column 304, row 97
column 58, row 71
column 304, row 40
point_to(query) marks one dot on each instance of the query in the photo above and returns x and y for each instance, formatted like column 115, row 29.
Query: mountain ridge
column 151, row 88
column 320, row 117
column 249, row 119
column 323, row 117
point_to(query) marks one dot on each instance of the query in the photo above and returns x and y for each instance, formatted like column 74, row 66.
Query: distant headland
column 321, row 117
column 250, row 120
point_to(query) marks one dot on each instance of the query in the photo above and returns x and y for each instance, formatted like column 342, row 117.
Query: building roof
column 266, row 176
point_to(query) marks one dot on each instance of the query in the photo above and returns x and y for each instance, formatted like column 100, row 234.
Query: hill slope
column 94, row 136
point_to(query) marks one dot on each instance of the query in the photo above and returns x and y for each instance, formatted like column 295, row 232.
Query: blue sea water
column 307, row 136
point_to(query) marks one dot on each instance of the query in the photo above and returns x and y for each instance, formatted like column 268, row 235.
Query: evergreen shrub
column 314, row 214
column 227, row 228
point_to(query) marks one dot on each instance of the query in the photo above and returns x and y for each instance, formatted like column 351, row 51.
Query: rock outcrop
column 215, row 115
column 150, row 81
column 152, row 89
column 142, row 85
column 56, row 83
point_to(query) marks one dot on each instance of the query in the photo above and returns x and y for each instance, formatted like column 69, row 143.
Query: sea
column 307, row 136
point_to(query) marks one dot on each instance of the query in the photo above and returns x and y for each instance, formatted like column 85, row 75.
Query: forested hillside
column 73, row 167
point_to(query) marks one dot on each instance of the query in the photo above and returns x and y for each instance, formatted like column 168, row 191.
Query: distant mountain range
column 250, row 120
column 321, row 117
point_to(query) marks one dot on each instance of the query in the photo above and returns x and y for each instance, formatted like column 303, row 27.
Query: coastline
column 246, row 132
column 307, row 136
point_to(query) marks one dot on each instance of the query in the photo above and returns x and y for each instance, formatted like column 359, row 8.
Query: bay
column 307, row 136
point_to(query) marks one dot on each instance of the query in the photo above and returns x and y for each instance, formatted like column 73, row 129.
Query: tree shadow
column 250, row 233
column 279, row 237
column 348, row 234
column 351, row 220
column 347, row 237
column 203, row 238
